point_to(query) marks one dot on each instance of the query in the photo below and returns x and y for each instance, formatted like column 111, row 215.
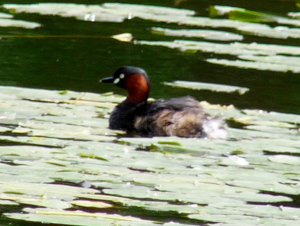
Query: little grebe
column 182, row 116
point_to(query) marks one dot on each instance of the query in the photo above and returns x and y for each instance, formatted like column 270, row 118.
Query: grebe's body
column 182, row 117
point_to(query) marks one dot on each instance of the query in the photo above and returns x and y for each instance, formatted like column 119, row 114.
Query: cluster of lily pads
column 241, row 21
column 61, row 163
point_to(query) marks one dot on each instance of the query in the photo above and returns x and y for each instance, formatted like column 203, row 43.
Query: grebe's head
column 134, row 79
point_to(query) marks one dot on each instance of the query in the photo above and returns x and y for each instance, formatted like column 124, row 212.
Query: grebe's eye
column 117, row 80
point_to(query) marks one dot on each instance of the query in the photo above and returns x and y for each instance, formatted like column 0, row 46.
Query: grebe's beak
column 108, row 80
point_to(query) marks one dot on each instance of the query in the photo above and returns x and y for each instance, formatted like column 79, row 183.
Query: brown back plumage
column 181, row 117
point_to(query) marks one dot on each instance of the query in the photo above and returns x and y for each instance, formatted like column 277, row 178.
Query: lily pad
column 285, row 159
column 256, row 65
column 6, row 15
column 208, row 86
column 76, row 217
column 205, row 34
column 242, row 14
column 94, row 204
column 18, row 23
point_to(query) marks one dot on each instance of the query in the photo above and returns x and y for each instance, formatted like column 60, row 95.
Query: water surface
column 71, row 61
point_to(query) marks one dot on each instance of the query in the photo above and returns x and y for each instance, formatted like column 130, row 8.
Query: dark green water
column 78, row 63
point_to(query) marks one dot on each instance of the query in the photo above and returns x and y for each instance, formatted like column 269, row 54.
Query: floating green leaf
column 205, row 34
column 285, row 159
column 76, row 218
column 242, row 14
column 251, row 16
column 5, row 15
column 83, row 155
column 93, row 204
column 208, row 86
column 18, row 23
column 255, row 65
